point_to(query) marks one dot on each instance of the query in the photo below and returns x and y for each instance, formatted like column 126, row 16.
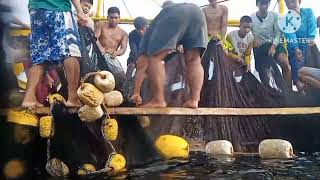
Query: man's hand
column 180, row 49
column 272, row 50
column 248, row 68
column 299, row 55
column 240, row 61
column 112, row 53
column 257, row 42
column 83, row 19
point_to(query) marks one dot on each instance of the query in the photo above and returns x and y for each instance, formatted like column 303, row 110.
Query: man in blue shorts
column 181, row 23
column 54, row 40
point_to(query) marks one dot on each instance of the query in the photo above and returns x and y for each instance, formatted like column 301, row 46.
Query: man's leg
column 156, row 73
column 194, row 76
column 35, row 75
column 72, row 71
column 310, row 76
column 141, row 69
column 286, row 69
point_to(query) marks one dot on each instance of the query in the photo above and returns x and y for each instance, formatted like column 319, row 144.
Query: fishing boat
column 299, row 125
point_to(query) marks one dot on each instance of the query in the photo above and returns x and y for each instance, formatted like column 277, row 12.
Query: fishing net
column 223, row 91
column 76, row 142
column 268, row 69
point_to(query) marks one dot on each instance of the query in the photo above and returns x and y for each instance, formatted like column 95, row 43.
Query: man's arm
column 234, row 56
column 224, row 22
column 123, row 45
column 82, row 18
column 97, row 34
column 247, row 55
column 98, row 29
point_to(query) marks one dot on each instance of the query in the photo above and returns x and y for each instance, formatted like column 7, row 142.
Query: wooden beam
column 200, row 111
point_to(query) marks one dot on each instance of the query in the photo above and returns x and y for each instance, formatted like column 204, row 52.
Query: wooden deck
column 198, row 112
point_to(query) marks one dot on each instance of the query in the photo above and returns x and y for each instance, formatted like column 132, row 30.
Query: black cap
column 140, row 22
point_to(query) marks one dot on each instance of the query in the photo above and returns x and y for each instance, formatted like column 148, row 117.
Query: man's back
column 214, row 17
column 134, row 42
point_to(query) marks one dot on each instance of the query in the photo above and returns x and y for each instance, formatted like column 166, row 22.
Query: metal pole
column 100, row 5
column 282, row 8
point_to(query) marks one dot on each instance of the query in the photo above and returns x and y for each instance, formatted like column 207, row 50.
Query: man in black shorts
column 182, row 23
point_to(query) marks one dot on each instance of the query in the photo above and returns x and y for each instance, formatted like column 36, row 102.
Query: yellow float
column 46, row 127
column 110, row 129
column 172, row 146
column 56, row 167
column 85, row 169
column 116, row 162
column 90, row 95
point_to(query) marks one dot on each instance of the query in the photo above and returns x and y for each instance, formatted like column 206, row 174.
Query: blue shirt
column 307, row 31
column 299, row 39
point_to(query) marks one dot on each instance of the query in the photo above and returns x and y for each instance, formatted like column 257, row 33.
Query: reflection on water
column 202, row 166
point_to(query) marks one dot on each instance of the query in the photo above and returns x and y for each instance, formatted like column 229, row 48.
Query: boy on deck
column 53, row 27
column 242, row 42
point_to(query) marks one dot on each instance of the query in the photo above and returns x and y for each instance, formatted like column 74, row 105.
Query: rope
column 274, row 7
column 114, row 152
column 48, row 150
column 125, row 5
column 215, row 3
column 157, row 3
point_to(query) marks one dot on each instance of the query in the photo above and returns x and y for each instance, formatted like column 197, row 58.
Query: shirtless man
column 217, row 19
column 112, row 39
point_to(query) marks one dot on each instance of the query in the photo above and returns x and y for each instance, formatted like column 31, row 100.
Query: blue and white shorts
column 54, row 36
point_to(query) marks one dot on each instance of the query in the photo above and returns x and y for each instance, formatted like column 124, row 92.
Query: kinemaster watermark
column 291, row 23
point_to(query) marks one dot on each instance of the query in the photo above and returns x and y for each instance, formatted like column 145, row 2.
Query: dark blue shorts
column 54, row 36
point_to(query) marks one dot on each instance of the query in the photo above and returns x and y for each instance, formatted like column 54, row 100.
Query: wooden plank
column 214, row 111
column 200, row 111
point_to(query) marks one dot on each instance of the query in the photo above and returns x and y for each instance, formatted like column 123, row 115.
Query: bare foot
column 155, row 104
column 136, row 98
column 72, row 104
column 191, row 104
column 31, row 104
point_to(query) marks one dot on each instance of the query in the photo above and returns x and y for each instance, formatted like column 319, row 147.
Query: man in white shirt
column 241, row 41
column 268, row 38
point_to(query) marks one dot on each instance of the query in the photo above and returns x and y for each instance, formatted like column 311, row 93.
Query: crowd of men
column 177, row 25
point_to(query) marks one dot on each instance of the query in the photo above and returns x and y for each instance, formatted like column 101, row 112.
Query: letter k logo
column 290, row 22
